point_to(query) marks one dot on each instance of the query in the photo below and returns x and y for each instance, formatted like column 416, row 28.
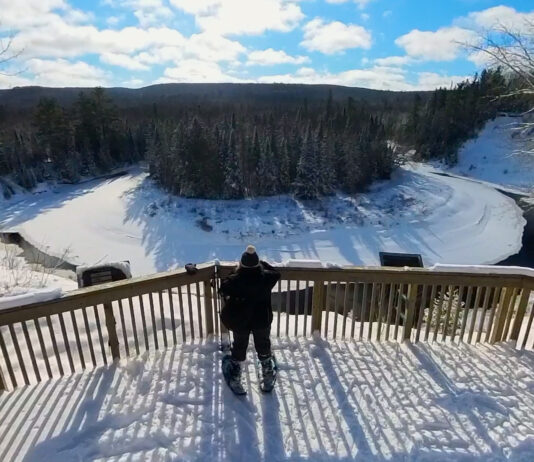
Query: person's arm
column 271, row 273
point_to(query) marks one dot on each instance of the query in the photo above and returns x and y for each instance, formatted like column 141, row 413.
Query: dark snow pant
column 262, row 343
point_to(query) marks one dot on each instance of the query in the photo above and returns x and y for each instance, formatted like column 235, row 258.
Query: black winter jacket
column 247, row 294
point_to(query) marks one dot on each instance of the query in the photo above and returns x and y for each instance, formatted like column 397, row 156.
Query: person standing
column 247, row 310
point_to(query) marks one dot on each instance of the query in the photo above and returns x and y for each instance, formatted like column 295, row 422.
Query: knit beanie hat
column 250, row 259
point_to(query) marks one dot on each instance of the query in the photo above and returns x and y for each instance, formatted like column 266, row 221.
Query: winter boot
column 232, row 374
column 268, row 373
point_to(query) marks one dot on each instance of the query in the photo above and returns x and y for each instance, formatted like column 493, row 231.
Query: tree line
column 243, row 149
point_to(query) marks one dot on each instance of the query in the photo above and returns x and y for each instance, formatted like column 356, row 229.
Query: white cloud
column 133, row 83
column 334, row 37
column 148, row 12
column 445, row 44
column 499, row 17
column 431, row 80
column 123, row 60
column 365, row 16
column 377, row 77
column 113, row 20
column 196, row 71
column 387, row 13
column 272, row 57
column 235, row 17
column 394, row 61
column 63, row 73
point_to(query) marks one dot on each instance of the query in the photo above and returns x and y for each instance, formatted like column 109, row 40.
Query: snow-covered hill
column 447, row 220
column 497, row 156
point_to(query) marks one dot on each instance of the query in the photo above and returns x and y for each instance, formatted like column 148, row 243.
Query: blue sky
column 384, row 44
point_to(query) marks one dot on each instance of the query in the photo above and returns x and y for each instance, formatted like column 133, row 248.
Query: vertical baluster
column 421, row 313
column 123, row 327
column 77, row 337
column 362, row 310
column 483, row 317
column 288, row 303
column 345, row 309
column 371, row 312
column 134, row 325
column 162, row 314
column 297, row 307
column 438, row 312
column 66, row 342
column 430, row 310
column 399, row 308
column 520, row 315
column 354, row 308
column 468, row 299
column 461, row 291
column 153, row 319
column 173, row 320
column 199, row 310
column 478, row 294
column 7, row 360
column 190, row 303
column 327, row 307
column 391, row 300
column 88, row 335
column 42, row 346
column 306, row 301
column 448, row 313
column 529, row 326
column 181, row 306
column 30, row 350
column 279, row 308
column 100, row 337
column 381, row 302
column 54, row 344
column 335, row 312
column 511, row 310
column 143, row 320
column 499, row 291
column 18, row 354
column 208, row 307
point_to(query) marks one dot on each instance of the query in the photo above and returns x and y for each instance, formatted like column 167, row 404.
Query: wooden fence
column 97, row 325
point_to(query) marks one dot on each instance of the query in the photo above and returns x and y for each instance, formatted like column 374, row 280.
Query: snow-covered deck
column 335, row 401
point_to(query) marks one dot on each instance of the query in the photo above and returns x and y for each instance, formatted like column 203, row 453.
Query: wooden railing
column 95, row 326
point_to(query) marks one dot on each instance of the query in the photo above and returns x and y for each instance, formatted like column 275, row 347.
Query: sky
column 381, row 44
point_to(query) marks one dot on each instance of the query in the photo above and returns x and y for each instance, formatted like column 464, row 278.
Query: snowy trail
column 447, row 220
column 335, row 401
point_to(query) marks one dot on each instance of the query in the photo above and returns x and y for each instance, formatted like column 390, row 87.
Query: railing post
column 2, row 381
column 317, row 305
column 112, row 331
column 500, row 318
column 410, row 312
column 208, row 307
column 520, row 315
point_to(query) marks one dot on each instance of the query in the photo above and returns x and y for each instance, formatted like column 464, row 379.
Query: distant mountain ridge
column 27, row 97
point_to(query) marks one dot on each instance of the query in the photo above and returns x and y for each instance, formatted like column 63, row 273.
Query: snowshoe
column 267, row 373
column 232, row 375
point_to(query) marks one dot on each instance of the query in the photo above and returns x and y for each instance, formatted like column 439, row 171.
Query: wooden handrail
column 141, row 313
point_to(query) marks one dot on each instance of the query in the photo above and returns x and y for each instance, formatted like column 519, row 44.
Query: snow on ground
column 335, row 401
column 22, row 283
column 447, row 220
column 494, row 156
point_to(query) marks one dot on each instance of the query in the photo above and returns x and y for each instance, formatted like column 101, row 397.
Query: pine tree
column 307, row 182
column 233, row 179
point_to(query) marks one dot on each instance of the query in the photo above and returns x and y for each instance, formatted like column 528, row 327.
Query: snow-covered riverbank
column 447, row 220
